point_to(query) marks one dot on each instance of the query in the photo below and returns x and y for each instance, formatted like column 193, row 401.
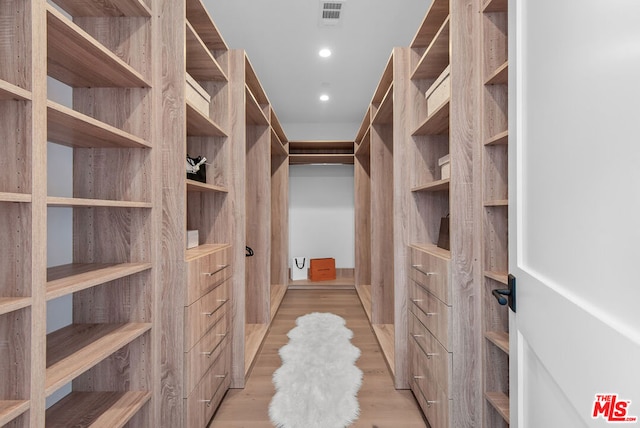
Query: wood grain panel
column 362, row 208
column 203, row 354
column 17, row 38
column 203, row 314
column 432, row 313
column 199, row 17
column 15, row 356
column 200, row 62
column 435, row 16
column 11, row 409
column 436, row 56
column 204, row 400
column 9, row 91
column 15, row 260
column 279, row 220
column 96, row 409
column 114, row 8
column 15, row 162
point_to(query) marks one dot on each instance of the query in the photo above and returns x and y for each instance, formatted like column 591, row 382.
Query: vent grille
column 331, row 13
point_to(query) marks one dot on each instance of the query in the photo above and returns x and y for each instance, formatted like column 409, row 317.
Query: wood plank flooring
column 381, row 405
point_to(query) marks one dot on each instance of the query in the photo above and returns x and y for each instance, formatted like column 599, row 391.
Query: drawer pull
column 418, row 377
column 422, row 271
column 431, row 354
column 214, row 394
column 431, row 403
column 220, row 267
column 416, row 335
column 416, row 300
column 210, row 353
column 222, row 301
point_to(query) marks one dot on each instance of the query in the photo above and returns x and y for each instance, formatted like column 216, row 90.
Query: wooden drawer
column 205, row 273
column 200, row 358
column 205, row 398
column 432, row 272
column 435, row 404
column 204, row 313
column 431, row 312
column 436, row 366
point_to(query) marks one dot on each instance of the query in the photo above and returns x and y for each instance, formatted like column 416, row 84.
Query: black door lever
column 510, row 293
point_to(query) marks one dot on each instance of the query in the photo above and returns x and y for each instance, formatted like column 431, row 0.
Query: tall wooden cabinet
column 381, row 180
column 260, row 213
column 104, row 55
column 494, row 203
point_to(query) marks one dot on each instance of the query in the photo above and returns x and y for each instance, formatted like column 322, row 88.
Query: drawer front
column 206, row 273
column 436, row 366
column 200, row 358
column 205, row 398
column 434, row 314
column 204, row 313
column 433, row 401
column 432, row 273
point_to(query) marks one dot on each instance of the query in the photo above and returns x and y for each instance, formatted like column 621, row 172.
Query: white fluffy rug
column 318, row 382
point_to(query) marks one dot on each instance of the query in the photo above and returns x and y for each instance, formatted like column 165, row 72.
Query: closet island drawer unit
column 430, row 329
column 207, row 332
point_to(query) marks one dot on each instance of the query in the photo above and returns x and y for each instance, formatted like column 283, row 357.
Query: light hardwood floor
column 381, row 406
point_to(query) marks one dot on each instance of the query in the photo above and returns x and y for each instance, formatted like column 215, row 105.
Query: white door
column 574, row 142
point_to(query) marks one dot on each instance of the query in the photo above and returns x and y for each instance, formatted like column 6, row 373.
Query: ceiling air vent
column 331, row 13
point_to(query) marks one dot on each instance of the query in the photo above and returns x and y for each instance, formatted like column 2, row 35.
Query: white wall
column 321, row 213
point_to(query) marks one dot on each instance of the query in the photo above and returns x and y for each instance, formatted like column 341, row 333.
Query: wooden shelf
column 306, row 159
column 254, row 334
column 70, row 278
column 435, row 186
column 500, row 339
column 500, row 402
column 11, row 409
column 203, row 250
column 384, row 84
column 434, row 250
column 384, row 115
column 201, row 65
column 495, row 6
column 499, row 139
column 253, row 83
column 10, row 304
column 9, row 91
column 364, row 148
column 364, row 126
column 437, row 123
column 198, row 16
column 277, row 148
column 56, row 201
column 277, row 128
column 96, row 409
column 197, row 186
column 15, row 197
column 114, row 8
column 496, row 203
column 501, row 277
column 255, row 115
column 435, row 16
column 70, row 128
column 199, row 125
column 499, row 76
column 277, row 293
column 364, row 293
column 77, row 59
column 76, row 348
column 385, row 333
column 436, row 57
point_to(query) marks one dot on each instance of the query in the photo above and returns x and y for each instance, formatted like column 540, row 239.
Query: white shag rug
column 318, row 382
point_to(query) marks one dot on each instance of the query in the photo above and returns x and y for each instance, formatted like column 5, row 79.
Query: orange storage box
column 322, row 269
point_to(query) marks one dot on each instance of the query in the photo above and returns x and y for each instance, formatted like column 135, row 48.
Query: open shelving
column 494, row 140
column 318, row 151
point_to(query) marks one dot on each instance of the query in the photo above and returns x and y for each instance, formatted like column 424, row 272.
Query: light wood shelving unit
column 443, row 301
column 104, row 54
column 320, row 152
column 494, row 211
column 260, row 153
column 382, row 192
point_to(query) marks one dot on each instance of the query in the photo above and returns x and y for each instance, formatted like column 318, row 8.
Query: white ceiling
column 282, row 39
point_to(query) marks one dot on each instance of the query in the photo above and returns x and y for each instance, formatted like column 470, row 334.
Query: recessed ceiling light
column 324, row 53
column 324, row 97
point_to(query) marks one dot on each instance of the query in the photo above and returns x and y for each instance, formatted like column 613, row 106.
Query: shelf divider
column 11, row 409
column 500, row 402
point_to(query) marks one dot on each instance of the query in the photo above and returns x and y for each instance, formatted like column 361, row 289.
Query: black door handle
column 249, row 251
column 510, row 293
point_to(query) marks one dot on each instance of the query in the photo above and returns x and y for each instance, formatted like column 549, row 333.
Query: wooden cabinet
column 102, row 55
column 494, row 208
column 382, row 193
column 260, row 216
column 444, row 301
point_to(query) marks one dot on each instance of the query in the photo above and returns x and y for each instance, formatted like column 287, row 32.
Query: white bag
column 299, row 268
